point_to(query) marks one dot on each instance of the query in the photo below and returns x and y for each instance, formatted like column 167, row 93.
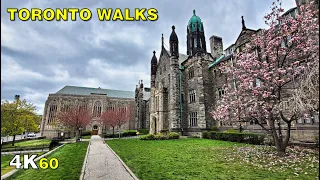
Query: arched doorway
column 95, row 129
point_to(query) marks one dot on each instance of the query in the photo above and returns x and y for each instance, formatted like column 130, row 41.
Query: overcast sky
column 39, row 58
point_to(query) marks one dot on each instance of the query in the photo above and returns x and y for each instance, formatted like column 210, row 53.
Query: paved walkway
column 102, row 164
column 24, row 152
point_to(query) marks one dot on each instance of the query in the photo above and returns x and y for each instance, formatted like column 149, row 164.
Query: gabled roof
column 242, row 31
column 182, row 57
column 76, row 90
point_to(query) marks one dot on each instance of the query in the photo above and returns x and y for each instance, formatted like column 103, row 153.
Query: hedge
column 250, row 138
column 171, row 135
column 86, row 133
column 125, row 133
column 143, row 131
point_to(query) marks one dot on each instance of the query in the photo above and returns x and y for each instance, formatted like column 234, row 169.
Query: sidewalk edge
column 125, row 166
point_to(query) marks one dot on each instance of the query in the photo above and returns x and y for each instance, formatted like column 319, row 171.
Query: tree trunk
column 112, row 130
column 119, row 132
column 77, row 135
column 13, row 140
column 276, row 139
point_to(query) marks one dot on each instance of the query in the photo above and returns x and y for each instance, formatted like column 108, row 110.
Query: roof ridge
column 97, row 88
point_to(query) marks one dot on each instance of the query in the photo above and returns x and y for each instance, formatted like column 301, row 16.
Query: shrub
column 86, row 133
column 160, row 136
column 147, row 137
column 127, row 133
column 205, row 135
column 250, row 138
column 54, row 142
column 164, row 131
column 173, row 135
column 143, row 131
column 214, row 128
column 231, row 131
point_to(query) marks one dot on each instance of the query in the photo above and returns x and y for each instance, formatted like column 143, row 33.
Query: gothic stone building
column 96, row 99
column 181, row 85
column 185, row 88
column 142, row 96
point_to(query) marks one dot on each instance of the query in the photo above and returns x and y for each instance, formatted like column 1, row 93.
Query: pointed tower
column 196, row 41
column 174, row 101
column 154, row 62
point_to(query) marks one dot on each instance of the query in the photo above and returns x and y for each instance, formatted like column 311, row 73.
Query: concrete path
column 24, row 152
column 103, row 164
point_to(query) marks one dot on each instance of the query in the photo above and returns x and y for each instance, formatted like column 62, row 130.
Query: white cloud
column 21, row 36
column 114, row 32
column 11, row 71
column 125, row 75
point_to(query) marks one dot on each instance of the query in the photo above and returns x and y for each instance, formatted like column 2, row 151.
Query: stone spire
column 243, row 25
column 162, row 41
column 174, row 43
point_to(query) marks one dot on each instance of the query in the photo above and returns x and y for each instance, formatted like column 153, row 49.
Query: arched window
column 52, row 112
column 83, row 105
column 66, row 106
column 97, row 109
column 195, row 42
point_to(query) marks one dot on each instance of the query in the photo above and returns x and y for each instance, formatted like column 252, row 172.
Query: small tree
column 266, row 73
column 125, row 115
column 16, row 117
column 75, row 118
column 109, row 118
column 117, row 116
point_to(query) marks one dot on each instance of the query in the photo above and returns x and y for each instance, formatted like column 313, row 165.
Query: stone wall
column 60, row 100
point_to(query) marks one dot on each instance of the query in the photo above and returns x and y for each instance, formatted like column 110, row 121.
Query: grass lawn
column 70, row 158
column 5, row 160
column 86, row 137
column 212, row 159
column 35, row 142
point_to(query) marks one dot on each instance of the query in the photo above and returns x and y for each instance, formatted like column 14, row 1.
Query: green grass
column 86, row 137
column 70, row 158
column 196, row 159
column 36, row 142
column 5, row 160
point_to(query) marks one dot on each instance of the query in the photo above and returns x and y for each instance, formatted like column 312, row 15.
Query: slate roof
column 182, row 57
column 76, row 90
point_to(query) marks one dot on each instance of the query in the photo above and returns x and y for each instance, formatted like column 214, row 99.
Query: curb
column 38, row 158
column 125, row 166
column 84, row 162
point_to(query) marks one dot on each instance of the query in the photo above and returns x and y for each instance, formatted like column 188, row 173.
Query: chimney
column 216, row 46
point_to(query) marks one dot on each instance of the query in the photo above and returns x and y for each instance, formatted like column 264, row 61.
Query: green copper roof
column 194, row 21
column 75, row 90
column 216, row 61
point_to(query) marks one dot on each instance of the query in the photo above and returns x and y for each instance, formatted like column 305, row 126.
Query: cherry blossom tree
column 109, row 118
column 75, row 118
column 261, row 82
column 117, row 116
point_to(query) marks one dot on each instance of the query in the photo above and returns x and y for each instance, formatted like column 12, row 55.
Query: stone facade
column 96, row 99
column 185, row 88
column 181, row 85
column 142, row 96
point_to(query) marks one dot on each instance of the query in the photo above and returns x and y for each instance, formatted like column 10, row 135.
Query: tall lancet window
column 200, row 43
column 195, row 42
column 52, row 112
column 97, row 109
